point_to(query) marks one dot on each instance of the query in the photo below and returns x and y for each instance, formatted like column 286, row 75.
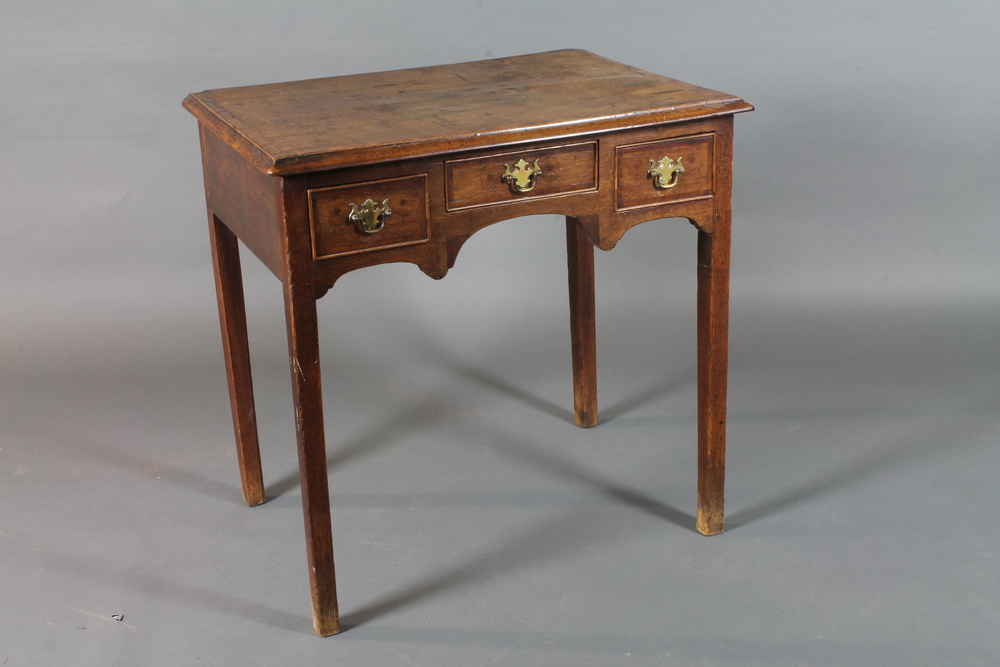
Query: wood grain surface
column 299, row 126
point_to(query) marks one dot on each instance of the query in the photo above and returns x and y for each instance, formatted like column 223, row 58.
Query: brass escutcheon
column 523, row 177
column 370, row 216
column 666, row 172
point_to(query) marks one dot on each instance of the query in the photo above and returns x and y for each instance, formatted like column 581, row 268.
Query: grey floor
column 474, row 523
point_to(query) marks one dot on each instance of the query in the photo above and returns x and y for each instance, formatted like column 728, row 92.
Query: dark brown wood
column 583, row 323
column 245, row 198
column 608, row 229
column 236, row 349
column 283, row 163
column 477, row 181
column 636, row 188
column 307, row 395
column 713, row 345
column 317, row 124
column 713, row 319
column 330, row 209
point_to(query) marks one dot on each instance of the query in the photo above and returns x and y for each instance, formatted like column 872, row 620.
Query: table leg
column 580, row 254
column 307, row 394
column 713, row 357
column 232, row 316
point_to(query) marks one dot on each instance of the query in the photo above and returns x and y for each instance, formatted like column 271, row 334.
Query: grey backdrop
column 474, row 524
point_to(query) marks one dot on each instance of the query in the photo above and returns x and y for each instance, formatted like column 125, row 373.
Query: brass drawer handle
column 370, row 217
column 665, row 173
column 523, row 177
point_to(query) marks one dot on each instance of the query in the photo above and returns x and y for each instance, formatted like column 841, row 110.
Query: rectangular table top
column 301, row 126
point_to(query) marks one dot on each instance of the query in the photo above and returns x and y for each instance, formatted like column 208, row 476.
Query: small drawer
column 636, row 187
column 336, row 233
column 480, row 181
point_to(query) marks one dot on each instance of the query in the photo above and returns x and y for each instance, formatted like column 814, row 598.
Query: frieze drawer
column 366, row 216
column 526, row 174
column 659, row 172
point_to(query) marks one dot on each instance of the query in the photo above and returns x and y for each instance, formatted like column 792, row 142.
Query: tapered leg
column 580, row 253
column 713, row 356
column 232, row 315
column 307, row 394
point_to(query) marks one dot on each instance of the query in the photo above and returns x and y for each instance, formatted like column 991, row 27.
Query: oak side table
column 325, row 176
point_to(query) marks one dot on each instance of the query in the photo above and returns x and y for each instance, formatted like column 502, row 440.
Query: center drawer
column 480, row 181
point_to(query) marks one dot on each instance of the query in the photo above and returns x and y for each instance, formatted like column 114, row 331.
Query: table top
column 302, row 126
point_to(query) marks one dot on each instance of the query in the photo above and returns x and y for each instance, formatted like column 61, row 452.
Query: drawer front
column 481, row 181
column 336, row 232
column 636, row 186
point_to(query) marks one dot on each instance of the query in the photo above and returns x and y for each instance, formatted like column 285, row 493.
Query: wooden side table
column 325, row 176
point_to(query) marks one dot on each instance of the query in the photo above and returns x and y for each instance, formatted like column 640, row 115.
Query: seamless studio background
column 474, row 524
